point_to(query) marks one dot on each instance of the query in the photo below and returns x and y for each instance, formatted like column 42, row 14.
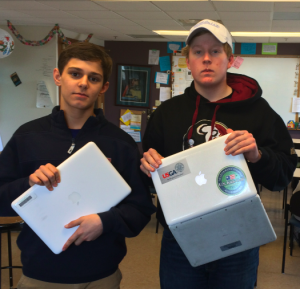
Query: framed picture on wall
column 133, row 85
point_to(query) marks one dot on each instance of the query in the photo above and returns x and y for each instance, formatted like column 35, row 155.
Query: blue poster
column 248, row 48
column 233, row 48
column 164, row 63
column 173, row 46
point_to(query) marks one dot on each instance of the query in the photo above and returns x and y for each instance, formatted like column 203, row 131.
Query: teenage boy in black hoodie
column 91, row 256
column 215, row 104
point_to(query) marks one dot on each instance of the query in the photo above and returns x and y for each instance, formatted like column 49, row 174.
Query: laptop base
column 224, row 232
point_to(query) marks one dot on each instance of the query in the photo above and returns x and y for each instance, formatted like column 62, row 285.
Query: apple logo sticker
column 74, row 197
column 200, row 180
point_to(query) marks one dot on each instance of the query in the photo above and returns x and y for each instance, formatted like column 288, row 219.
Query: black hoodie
column 47, row 140
column 171, row 126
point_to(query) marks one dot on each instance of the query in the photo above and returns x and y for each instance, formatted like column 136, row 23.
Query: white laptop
column 89, row 184
column 197, row 182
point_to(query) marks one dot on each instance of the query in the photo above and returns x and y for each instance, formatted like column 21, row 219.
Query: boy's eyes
column 79, row 75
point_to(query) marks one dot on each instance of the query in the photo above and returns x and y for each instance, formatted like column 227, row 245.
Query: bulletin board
column 135, row 133
column 181, row 75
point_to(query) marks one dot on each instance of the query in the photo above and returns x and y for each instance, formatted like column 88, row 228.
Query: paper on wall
column 164, row 93
column 179, row 77
column 126, row 117
column 153, row 57
column 43, row 99
column 136, row 135
column 296, row 104
column 136, row 121
column 161, row 77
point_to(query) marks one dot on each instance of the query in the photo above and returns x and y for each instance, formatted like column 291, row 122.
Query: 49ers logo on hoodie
column 202, row 132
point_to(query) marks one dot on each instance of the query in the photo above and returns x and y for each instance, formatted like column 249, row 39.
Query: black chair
column 7, row 225
column 294, row 208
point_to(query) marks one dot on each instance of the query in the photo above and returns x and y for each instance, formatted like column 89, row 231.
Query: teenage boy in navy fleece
column 91, row 256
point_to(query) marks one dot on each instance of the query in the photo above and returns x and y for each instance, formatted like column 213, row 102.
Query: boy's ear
column 187, row 63
column 56, row 76
column 104, row 87
column 231, row 60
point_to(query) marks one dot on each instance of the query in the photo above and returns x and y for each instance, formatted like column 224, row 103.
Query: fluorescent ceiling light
column 238, row 34
column 172, row 32
column 266, row 34
column 252, row 0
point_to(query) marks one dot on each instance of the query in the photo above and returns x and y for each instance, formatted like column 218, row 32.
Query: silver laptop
column 89, row 184
column 204, row 181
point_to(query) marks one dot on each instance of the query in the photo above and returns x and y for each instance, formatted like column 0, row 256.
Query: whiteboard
column 276, row 76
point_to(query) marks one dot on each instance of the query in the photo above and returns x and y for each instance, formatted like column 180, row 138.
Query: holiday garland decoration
column 54, row 30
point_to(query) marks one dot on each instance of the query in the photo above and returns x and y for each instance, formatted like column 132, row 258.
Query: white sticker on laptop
column 173, row 171
column 231, row 180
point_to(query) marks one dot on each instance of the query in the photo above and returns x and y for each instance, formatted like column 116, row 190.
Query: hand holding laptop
column 90, row 228
column 47, row 175
column 242, row 142
column 151, row 160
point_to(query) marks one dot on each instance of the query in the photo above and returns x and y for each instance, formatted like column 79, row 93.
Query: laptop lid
column 201, row 180
column 89, row 184
column 224, row 232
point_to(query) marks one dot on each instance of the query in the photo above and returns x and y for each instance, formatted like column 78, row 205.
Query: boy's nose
column 84, row 81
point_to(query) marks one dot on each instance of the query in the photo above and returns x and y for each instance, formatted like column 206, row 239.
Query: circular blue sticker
column 231, row 180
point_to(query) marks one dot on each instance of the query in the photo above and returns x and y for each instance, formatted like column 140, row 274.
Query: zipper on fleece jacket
column 72, row 146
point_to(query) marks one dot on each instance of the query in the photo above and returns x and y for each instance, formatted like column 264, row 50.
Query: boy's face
column 208, row 61
column 80, row 82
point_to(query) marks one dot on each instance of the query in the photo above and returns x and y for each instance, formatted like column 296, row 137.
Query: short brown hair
column 87, row 52
column 186, row 50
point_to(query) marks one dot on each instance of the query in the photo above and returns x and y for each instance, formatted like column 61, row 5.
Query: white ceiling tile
column 155, row 21
column 286, row 23
column 143, row 15
column 287, row 7
column 24, row 5
column 252, row 39
column 114, row 22
column 10, row 14
column 286, row 16
column 132, row 30
column 181, row 6
column 248, row 25
column 76, row 5
column 128, row 6
column 232, row 6
column 248, row 28
column 194, row 15
column 49, row 14
column 263, row 16
column 75, row 21
column 95, row 14
column 33, row 21
column 176, row 38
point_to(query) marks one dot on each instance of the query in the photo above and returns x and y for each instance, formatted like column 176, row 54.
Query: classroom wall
column 18, row 103
column 132, row 53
